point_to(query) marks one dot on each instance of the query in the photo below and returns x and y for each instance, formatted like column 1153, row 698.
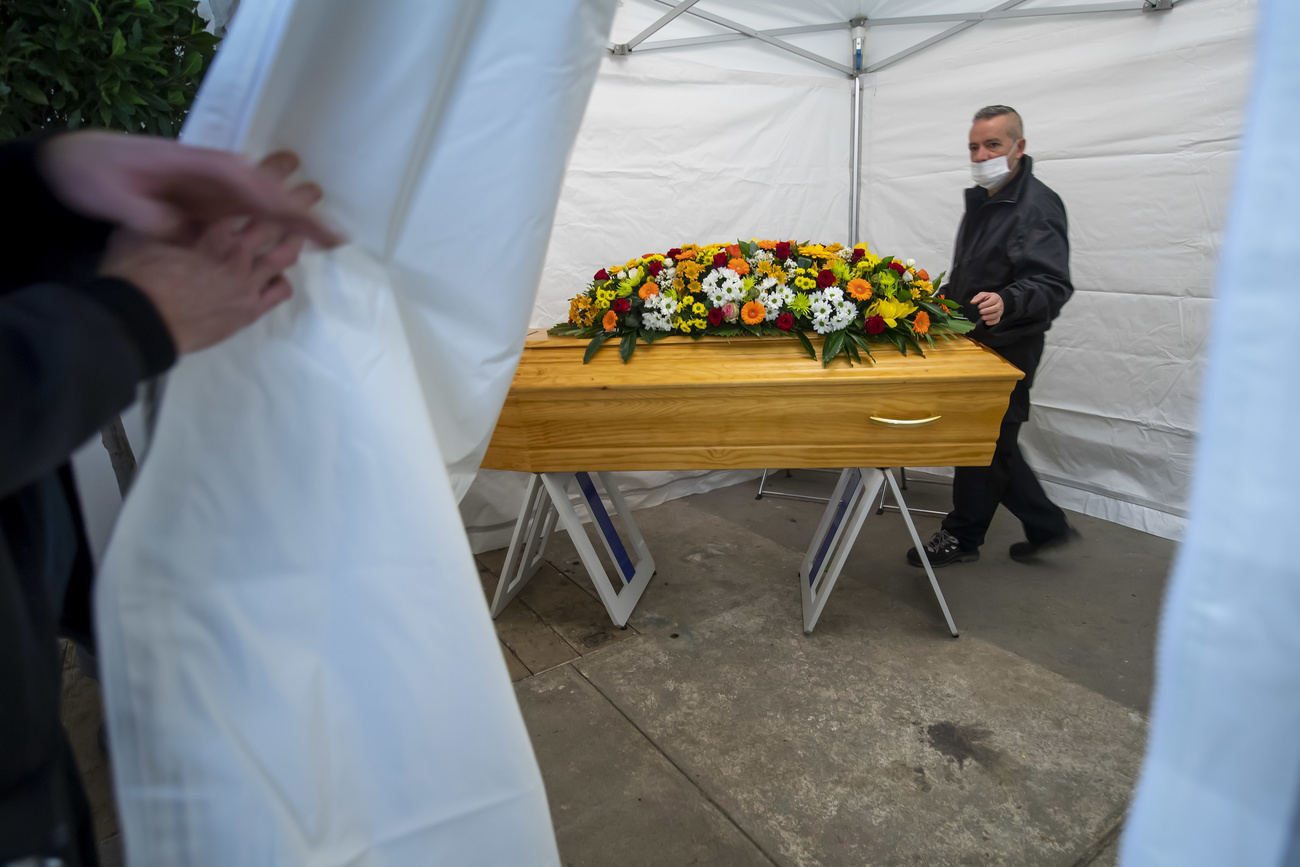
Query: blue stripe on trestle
column 597, row 508
column 854, row 478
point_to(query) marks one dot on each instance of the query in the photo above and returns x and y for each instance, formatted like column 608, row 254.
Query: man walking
column 1011, row 275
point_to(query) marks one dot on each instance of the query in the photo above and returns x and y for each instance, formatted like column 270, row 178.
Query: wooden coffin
column 747, row 403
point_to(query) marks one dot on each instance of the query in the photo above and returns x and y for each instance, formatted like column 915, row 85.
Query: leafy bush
column 133, row 65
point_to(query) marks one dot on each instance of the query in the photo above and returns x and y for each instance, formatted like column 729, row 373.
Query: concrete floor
column 714, row 731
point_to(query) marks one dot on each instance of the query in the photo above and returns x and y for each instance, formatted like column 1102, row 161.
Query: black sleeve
column 1040, row 261
column 40, row 240
column 70, row 358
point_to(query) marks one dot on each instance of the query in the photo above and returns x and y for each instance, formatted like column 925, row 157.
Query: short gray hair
column 1015, row 126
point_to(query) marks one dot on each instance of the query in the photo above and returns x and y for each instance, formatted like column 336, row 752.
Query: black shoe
column 1027, row 552
column 943, row 549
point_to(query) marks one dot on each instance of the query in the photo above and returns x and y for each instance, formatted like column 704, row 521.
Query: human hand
column 990, row 307
column 225, row 280
column 162, row 189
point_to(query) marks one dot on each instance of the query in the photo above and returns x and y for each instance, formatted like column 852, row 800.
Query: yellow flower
column 581, row 311
column 890, row 310
column 805, row 283
column 699, row 309
column 604, row 297
column 699, row 324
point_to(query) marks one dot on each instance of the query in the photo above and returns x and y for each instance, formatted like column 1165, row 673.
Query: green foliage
column 133, row 65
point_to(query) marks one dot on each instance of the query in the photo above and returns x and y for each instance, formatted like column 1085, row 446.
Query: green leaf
column 595, row 344
column 74, row 120
column 119, row 43
column 803, row 262
column 832, row 347
column 938, row 281
column 745, row 248
column 756, row 330
column 193, row 64
column 860, row 341
column 807, row 344
column 628, row 346
column 851, row 349
column 911, row 341
column 30, row 92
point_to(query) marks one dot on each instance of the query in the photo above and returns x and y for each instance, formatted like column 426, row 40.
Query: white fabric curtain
column 1221, row 781
column 297, row 659
column 1132, row 118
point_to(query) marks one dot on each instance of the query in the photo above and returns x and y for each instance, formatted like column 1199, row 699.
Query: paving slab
column 614, row 798
column 884, row 744
column 1089, row 613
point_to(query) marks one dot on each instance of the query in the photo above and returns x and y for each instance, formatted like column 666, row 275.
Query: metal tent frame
column 857, row 29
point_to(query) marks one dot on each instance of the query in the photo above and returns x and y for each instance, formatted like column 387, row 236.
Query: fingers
column 280, row 258
column 276, row 292
column 281, row 164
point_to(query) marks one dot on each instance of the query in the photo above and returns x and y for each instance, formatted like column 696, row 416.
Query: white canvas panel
column 1221, row 779
column 297, row 659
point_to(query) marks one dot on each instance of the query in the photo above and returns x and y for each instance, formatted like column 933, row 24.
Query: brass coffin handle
column 905, row 422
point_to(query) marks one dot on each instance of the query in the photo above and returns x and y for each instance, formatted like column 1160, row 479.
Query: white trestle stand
column 852, row 501
column 547, row 499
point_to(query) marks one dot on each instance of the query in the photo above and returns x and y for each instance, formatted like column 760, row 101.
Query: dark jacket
column 73, row 347
column 1014, row 243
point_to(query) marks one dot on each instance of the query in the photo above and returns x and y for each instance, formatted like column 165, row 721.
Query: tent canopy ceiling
column 814, row 35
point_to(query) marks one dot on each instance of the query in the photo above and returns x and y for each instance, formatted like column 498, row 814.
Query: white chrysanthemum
column 834, row 295
column 761, row 256
column 772, row 303
column 657, row 321
column 845, row 254
column 845, row 313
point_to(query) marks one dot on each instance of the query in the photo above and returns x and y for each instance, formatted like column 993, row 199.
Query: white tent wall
column 672, row 152
column 1133, row 118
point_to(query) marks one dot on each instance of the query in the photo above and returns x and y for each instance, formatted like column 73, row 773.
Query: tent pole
column 858, row 33
column 856, row 172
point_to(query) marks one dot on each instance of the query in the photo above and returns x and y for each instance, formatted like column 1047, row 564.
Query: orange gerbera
column 921, row 324
column 859, row 289
column 689, row 251
column 610, row 322
column 753, row 313
column 740, row 266
column 649, row 288
column 767, row 245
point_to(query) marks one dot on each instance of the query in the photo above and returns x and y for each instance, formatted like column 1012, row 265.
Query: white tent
column 702, row 133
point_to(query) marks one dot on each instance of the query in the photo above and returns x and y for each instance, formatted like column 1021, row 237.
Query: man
column 116, row 254
column 1011, row 274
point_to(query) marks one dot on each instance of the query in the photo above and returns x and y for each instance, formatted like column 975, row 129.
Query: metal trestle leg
column 840, row 525
column 546, row 502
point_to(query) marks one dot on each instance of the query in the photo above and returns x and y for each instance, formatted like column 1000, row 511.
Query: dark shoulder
column 1039, row 198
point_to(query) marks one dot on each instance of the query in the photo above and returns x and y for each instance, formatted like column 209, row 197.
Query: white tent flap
column 298, row 663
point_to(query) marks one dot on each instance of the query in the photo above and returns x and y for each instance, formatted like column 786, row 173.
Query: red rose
column 858, row 253
column 825, row 279
column 720, row 259
column 620, row 305
column 602, row 274
column 672, row 254
column 785, row 322
column 715, row 316
column 875, row 325
column 654, row 267
column 783, row 250
column 898, row 266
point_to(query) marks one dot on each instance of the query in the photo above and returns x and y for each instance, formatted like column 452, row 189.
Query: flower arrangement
column 779, row 288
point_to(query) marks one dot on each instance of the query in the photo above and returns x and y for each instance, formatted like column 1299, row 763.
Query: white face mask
column 991, row 173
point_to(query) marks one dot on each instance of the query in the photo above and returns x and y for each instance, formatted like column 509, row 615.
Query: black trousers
column 1008, row 480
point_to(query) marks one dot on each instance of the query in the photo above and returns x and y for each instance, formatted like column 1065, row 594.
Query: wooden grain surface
column 746, row 403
